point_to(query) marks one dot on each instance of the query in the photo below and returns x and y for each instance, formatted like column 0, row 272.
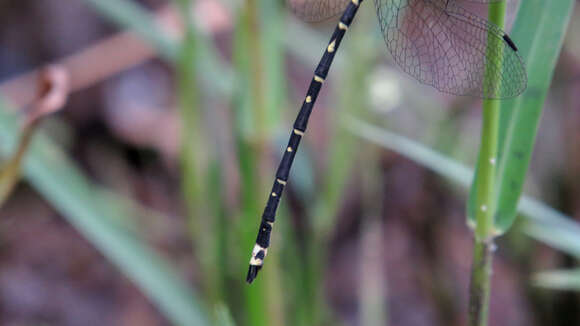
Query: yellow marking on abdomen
column 289, row 149
column 280, row 181
column 342, row 26
column 308, row 99
column 319, row 79
column 331, row 46
column 298, row 132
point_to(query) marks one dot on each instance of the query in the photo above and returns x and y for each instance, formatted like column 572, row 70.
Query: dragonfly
column 438, row 42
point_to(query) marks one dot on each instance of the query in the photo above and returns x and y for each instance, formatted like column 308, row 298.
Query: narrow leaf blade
column 539, row 32
column 86, row 207
column 559, row 280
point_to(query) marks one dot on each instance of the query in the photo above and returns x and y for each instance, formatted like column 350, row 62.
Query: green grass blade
column 539, row 32
column 259, row 62
column 545, row 223
column 196, row 160
column 559, row 280
column 223, row 316
column 87, row 209
column 210, row 64
column 539, row 214
column 557, row 237
column 411, row 149
column 131, row 15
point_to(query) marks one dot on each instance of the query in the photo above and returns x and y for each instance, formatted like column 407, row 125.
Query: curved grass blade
column 131, row 15
column 559, row 280
column 98, row 219
column 539, row 215
column 566, row 239
column 545, row 223
column 539, row 32
column 557, row 237
column 211, row 65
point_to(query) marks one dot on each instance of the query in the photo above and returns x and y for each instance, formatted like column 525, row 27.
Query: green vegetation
column 254, row 87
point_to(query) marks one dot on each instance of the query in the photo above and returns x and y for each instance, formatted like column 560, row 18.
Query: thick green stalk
column 479, row 291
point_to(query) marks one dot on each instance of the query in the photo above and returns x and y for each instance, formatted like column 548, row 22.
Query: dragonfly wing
column 317, row 10
column 480, row 1
column 451, row 49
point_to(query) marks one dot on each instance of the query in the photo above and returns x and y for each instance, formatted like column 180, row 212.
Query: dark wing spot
column 510, row 42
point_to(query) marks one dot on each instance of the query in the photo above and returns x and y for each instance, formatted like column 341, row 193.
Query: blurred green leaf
column 210, row 64
column 562, row 238
column 260, row 95
column 541, row 216
column 133, row 16
column 545, row 223
column 87, row 209
column 223, row 316
column 539, row 32
column 559, row 280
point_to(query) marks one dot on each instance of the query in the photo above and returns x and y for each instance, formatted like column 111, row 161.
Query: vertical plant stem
column 371, row 288
column 263, row 299
column 352, row 81
column 479, row 291
column 194, row 158
column 257, row 73
column 487, row 170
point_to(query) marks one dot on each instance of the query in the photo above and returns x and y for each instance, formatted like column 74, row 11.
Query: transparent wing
column 451, row 49
column 317, row 10
column 482, row 1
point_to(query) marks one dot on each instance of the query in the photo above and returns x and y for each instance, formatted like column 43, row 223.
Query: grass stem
column 479, row 291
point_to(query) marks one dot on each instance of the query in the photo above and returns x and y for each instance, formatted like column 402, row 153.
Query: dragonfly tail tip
column 252, row 273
